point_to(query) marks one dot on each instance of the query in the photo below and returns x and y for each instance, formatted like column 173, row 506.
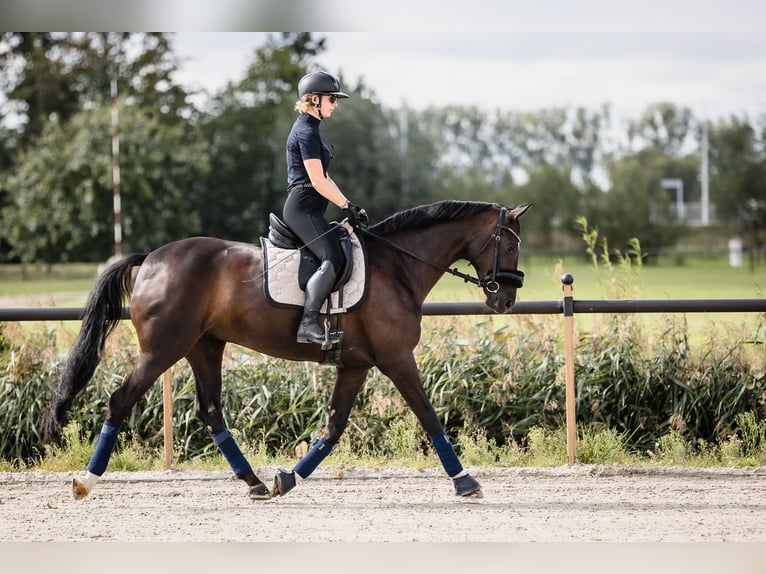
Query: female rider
column 309, row 192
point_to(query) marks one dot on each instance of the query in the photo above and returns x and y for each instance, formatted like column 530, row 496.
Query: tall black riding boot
column 318, row 288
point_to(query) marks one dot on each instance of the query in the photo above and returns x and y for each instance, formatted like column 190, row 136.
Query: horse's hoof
column 284, row 482
column 259, row 492
column 79, row 490
column 467, row 486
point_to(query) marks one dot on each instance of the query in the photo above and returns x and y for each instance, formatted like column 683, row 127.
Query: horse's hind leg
column 206, row 360
column 147, row 371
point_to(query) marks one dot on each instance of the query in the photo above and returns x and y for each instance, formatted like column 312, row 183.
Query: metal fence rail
column 552, row 307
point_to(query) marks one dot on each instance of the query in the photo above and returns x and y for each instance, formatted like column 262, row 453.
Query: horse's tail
column 102, row 313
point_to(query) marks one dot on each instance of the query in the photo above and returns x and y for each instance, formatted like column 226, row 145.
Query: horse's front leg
column 403, row 372
column 206, row 361
column 347, row 385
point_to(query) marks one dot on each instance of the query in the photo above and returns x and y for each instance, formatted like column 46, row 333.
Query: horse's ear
column 520, row 210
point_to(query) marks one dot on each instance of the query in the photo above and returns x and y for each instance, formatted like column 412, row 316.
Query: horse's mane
column 427, row 215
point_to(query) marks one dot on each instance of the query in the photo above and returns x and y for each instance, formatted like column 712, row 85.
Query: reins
column 455, row 272
column 490, row 282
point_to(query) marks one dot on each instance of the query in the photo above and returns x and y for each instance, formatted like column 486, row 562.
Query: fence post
column 568, row 305
column 167, row 416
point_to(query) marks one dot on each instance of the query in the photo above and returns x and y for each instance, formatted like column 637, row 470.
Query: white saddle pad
column 280, row 273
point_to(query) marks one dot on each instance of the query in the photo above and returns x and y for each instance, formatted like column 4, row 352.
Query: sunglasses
column 333, row 98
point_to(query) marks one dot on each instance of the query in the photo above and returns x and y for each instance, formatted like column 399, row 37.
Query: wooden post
column 567, row 279
column 167, row 416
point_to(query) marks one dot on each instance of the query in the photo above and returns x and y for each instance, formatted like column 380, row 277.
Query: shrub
column 499, row 389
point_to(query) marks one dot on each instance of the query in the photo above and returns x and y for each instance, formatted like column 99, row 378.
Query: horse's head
column 498, row 259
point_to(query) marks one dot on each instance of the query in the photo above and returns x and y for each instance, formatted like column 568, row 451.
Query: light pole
column 116, row 174
column 704, row 178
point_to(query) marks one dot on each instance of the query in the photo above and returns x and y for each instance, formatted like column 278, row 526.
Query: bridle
column 491, row 282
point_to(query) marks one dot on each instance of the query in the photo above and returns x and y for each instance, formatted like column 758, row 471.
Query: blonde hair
column 304, row 104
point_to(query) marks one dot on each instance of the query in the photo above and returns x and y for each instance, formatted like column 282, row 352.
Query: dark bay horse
column 190, row 297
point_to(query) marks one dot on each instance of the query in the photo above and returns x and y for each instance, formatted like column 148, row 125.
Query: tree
column 379, row 160
column 738, row 177
column 245, row 129
column 418, row 175
column 664, row 127
column 637, row 205
column 34, row 76
column 557, row 204
column 142, row 64
column 61, row 190
column 55, row 75
column 468, row 143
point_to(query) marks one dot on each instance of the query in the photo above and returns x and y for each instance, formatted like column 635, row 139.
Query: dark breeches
column 304, row 214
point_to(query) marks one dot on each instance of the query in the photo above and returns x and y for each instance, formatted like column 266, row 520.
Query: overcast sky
column 709, row 55
column 715, row 73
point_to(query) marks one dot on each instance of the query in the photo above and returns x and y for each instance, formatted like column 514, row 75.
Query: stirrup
column 327, row 340
column 331, row 338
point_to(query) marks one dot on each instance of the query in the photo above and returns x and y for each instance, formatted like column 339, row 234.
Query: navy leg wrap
column 104, row 447
column 320, row 449
column 229, row 449
column 446, row 453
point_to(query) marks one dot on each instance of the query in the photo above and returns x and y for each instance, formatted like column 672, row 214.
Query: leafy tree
column 557, row 204
column 49, row 75
column 637, row 205
column 586, row 143
column 664, row 127
column 738, row 177
column 61, row 191
column 379, row 161
column 7, row 149
column 466, row 138
column 570, row 139
column 35, row 79
column 420, row 178
column 143, row 65
column 246, row 129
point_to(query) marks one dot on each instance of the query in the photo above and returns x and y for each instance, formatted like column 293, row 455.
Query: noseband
column 491, row 282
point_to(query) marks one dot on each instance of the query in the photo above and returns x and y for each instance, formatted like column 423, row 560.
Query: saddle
column 284, row 238
column 287, row 267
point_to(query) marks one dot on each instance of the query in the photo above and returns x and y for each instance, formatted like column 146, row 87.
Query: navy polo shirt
column 304, row 142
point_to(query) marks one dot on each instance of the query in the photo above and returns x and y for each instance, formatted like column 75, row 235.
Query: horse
column 191, row 297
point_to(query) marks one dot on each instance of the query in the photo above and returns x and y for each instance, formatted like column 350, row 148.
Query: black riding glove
column 356, row 215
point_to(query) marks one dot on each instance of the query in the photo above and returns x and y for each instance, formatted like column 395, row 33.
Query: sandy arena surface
column 580, row 503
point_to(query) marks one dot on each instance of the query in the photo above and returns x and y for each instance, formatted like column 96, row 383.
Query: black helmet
column 320, row 83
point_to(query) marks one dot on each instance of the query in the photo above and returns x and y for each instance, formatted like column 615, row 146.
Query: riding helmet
column 320, row 83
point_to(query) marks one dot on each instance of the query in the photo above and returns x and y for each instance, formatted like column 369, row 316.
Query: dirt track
column 582, row 503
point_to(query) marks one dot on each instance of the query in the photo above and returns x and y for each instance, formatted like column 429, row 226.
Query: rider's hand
column 357, row 216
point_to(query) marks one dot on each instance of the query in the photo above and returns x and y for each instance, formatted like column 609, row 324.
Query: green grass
column 41, row 282
column 67, row 285
column 696, row 278
column 546, row 448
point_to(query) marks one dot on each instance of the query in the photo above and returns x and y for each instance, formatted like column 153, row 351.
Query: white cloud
column 712, row 73
column 716, row 74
